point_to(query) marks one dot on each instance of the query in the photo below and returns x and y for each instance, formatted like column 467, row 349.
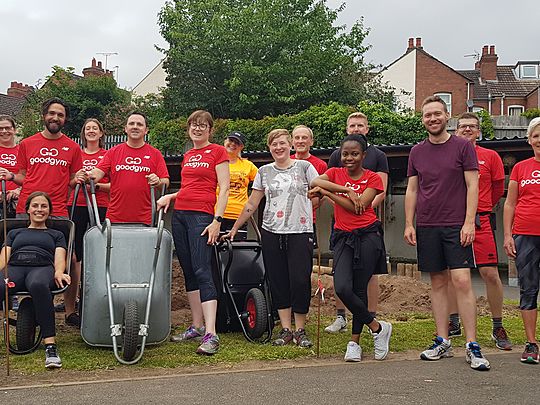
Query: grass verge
column 413, row 334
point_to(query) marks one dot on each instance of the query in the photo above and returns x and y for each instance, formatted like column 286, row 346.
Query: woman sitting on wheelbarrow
column 37, row 260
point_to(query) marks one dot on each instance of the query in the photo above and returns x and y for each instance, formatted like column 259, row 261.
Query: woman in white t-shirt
column 287, row 234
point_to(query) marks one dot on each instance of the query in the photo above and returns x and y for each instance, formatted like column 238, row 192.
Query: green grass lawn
column 413, row 334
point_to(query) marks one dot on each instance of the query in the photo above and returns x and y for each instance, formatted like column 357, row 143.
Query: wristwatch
column 218, row 218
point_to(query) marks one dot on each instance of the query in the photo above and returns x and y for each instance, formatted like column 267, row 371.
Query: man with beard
column 443, row 194
column 133, row 167
column 48, row 161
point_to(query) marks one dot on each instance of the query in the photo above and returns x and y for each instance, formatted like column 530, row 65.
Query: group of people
column 452, row 189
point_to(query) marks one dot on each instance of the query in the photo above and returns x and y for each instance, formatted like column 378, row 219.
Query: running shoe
column 209, row 344
column 439, row 349
column 354, row 352
column 73, row 320
column 284, row 337
column 474, row 357
column 301, row 339
column 190, row 334
column 530, row 354
column 454, row 330
column 381, row 340
column 339, row 325
column 502, row 341
column 52, row 359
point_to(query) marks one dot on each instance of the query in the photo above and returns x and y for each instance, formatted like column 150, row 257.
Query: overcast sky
column 36, row 35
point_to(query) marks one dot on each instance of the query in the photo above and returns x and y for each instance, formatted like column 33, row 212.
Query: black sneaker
column 52, row 359
column 284, row 337
column 73, row 320
column 62, row 307
column 301, row 339
column 454, row 330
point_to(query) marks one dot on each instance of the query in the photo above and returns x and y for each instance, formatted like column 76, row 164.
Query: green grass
column 411, row 332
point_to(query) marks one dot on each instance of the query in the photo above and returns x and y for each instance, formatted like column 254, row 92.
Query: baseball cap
column 238, row 136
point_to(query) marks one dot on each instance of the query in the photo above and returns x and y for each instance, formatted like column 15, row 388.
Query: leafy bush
column 486, row 124
column 531, row 113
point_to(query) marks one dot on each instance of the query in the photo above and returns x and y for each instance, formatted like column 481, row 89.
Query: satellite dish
column 470, row 103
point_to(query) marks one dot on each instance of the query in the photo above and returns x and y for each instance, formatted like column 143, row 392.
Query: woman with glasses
column 9, row 151
column 195, row 226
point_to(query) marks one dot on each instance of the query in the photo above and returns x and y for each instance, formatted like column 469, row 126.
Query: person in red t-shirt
column 358, row 240
column 490, row 190
column 195, row 226
column 92, row 136
column 8, row 161
column 132, row 167
column 522, row 236
column 302, row 141
column 48, row 161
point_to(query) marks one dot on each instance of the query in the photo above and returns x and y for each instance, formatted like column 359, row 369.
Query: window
column 515, row 109
column 447, row 98
column 476, row 109
column 529, row 71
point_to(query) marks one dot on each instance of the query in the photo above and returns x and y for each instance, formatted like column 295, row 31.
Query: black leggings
column 81, row 220
column 288, row 261
column 38, row 281
column 350, row 284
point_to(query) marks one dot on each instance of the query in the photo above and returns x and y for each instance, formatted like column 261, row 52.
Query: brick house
column 499, row 89
column 12, row 102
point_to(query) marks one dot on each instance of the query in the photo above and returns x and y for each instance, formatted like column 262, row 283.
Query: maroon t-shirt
column 442, row 192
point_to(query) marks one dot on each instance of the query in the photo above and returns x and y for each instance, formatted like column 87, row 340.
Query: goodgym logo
column 48, row 156
column 89, row 164
column 8, row 159
column 535, row 179
column 133, row 165
column 194, row 161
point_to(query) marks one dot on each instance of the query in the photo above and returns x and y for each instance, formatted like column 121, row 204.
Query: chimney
column 419, row 43
column 488, row 63
column 411, row 44
column 94, row 70
column 18, row 90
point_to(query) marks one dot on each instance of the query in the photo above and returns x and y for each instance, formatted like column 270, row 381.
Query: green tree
column 97, row 97
column 251, row 58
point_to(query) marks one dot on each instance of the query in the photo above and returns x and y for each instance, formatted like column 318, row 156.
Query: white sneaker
column 381, row 340
column 339, row 325
column 440, row 348
column 474, row 357
column 354, row 352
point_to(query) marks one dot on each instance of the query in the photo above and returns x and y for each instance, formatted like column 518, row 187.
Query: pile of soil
column 398, row 296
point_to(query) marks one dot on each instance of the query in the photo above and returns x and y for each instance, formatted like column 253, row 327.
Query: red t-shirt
column 127, row 168
column 346, row 220
column 199, row 178
column 49, row 164
column 527, row 175
column 8, row 160
column 90, row 160
column 491, row 169
column 319, row 165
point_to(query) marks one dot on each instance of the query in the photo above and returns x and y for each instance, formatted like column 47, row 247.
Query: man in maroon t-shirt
column 132, row 167
column 48, row 161
column 442, row 193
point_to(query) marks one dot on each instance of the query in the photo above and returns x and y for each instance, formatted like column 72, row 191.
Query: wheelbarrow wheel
column 257, row 313
column 130, row 336
column 25, row 330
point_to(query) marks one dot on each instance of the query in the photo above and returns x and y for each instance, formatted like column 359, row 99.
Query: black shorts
column 528, row 268
column 81, row 220
column 439, row 248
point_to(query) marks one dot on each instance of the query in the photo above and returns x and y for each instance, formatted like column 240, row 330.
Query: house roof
column 11, row 105
column 507, row 83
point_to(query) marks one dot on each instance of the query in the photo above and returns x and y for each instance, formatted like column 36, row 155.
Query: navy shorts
column 528, row 268
column 439, row 248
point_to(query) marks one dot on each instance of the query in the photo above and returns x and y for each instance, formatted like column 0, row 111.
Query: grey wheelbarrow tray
column 127, row 270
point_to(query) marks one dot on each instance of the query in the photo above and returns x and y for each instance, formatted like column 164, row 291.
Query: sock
column 373, row 314
column 379, row 329
column 341, row 312
column 497, row 323
column 454, row 320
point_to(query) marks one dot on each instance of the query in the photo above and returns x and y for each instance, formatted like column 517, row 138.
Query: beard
column 53, row 127
column 438, row 132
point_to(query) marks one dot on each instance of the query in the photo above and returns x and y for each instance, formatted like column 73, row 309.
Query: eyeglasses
column 194, row 125
column 470, row 126
column 6, row 129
